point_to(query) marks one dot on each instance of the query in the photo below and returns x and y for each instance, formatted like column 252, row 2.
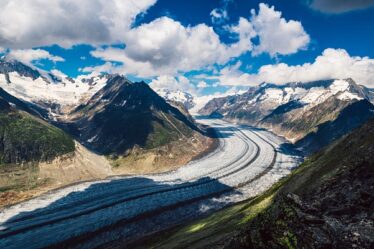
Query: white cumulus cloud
column 28, row 56
column 331, row 64
column 27, row 24
column 276, row 34
column 165, row 46
column 233, row 76
column 172, row 83
column 202, row 84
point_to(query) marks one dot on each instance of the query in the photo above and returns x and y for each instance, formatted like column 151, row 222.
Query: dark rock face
column 349, row 118
column 21, row 105
column 328, row 203
column 4, row 106
column 292, row 105
column 124, row 114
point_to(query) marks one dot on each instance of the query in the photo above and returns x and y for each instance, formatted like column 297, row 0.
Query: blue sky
column 335, row 32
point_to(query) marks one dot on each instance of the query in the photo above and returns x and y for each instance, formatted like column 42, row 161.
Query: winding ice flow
column 247, row 162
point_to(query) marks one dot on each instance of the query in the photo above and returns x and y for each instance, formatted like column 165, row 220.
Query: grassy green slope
column 25, row 138
column 167, row 131
column 24, row 141
column 311, row 208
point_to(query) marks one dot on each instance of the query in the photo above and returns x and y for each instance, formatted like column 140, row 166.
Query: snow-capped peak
column 339, row 86
column 311, row 93
column 177, row 96
column 65, row 92
column 53, row 87
column 267, row 97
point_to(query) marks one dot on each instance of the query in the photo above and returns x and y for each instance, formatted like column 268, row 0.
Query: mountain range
column 49, row 91
column 100, row 109
column 53, row 127
column 110, row 115
column 309, row 114
column 51, row 118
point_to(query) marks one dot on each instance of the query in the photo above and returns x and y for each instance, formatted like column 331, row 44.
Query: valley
column 325, row 202
column 58, row 131
column 247, row 162
column 160, row 124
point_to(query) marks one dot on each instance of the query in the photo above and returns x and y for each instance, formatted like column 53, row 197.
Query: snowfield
column 64, row 92
column 122, row 209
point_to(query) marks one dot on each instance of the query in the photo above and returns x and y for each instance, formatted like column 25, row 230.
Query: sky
column 202, row 47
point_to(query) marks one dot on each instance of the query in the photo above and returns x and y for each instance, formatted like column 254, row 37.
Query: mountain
column 299, row 111
column 177, row 96
column 36, row 156
column 124, row 114
column 120, row 127
column 349, row 118
column 51, row 92
column 8, row 67
column 27, row 139
column 108, row 113
column 21, row 105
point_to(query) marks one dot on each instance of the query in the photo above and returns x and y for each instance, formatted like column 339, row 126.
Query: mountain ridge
column 292, row 110
column 131, row 114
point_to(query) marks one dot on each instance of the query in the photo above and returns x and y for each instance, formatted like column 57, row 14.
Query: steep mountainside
column 295, row 110
column 7, row 67
column 25, row 138
column 36, row 156
column 349, row 118
column 21, row 105
column 123, row 115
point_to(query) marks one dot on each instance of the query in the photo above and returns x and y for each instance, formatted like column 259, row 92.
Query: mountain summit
column 124, row 114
